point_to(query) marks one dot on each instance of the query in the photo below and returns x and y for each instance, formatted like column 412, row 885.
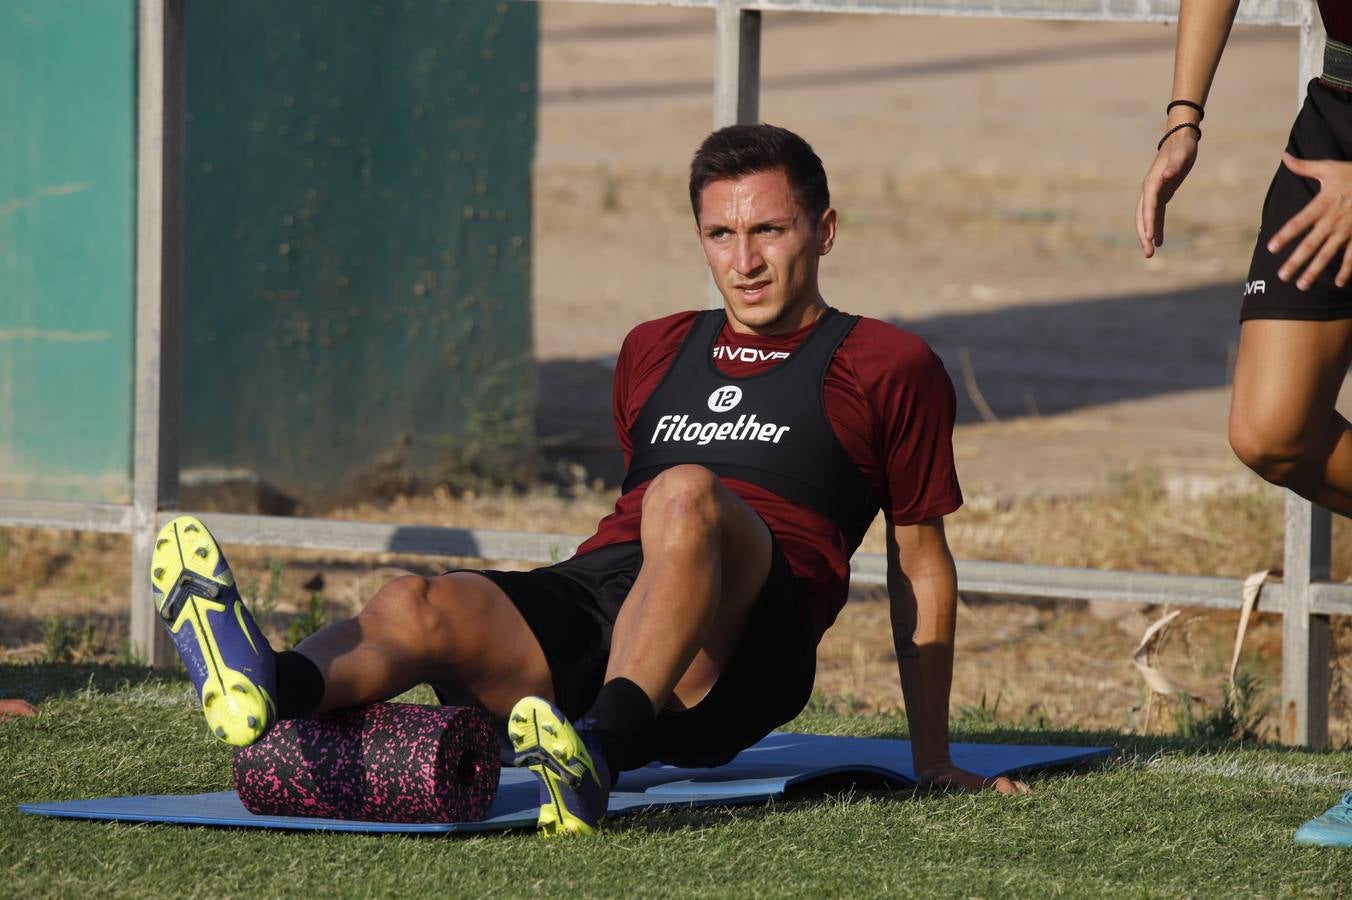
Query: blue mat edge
column 61, row 810
column 628, row 803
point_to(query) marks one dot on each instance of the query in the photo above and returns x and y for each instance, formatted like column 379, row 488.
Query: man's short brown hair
column 740, row 150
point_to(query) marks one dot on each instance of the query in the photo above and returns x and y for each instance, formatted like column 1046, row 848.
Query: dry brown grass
column 1070, row 663
column 1067, row 663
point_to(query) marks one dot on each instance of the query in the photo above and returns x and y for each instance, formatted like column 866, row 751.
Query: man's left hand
column 1327, row 218
column 948, row 777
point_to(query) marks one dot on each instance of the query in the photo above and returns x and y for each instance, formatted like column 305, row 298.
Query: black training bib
column 769, row 429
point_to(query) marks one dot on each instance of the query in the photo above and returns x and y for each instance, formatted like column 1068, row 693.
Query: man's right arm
column 923, row 589
column 1203, row 28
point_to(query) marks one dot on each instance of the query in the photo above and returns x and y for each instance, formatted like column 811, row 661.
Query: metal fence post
column 160, row 98
column 737, row 40
column 1311, row 50
column 1306, row 640
column 1306, row 643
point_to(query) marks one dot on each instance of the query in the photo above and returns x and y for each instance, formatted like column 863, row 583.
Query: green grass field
column 1162, row 818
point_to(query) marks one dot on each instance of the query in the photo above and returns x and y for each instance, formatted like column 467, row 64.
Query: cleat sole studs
column 220, row 732
column 201, row 551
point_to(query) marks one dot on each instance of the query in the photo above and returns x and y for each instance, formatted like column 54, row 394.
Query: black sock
column 300, row 685
column 621, row 718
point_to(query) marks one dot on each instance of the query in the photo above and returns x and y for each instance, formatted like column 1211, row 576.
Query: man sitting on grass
column 761, row 440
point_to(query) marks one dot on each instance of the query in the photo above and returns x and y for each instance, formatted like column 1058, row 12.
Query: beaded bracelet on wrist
column 1167, row 134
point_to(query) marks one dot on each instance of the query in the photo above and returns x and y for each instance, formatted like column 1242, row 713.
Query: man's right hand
column 948, row 777
column 16, row 708
column 1172, row 164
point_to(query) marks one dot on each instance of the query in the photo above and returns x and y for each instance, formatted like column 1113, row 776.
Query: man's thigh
column 568, row 610
column 745, row 552
column 766, row 681
column 502, row 662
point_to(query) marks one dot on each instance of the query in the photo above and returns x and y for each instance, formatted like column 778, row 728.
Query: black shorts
column 571, row 607
column 1323, row 130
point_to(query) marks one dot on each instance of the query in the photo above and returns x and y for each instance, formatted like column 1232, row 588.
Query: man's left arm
column 922, row 584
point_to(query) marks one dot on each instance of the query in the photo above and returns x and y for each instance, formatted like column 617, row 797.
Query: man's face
column 763, row 249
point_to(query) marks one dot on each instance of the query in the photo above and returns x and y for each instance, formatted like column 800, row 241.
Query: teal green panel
column 358, row 242
column 67, row 211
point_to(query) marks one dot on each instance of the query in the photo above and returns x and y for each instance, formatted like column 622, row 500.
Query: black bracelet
column 1160, row 145
column 1201, row 113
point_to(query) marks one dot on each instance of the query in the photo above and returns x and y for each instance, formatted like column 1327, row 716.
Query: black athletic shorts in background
column 571, row 608
column 1323, row 130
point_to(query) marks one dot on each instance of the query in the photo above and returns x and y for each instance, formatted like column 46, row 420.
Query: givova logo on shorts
column 680, row 429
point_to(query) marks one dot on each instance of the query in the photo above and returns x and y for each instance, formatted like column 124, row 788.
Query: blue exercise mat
column 761, row 773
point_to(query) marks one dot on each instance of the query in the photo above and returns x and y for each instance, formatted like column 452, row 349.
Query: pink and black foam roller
column 390, row 762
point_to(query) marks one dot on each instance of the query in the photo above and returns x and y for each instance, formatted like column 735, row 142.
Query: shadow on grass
column 1129, row 751
column 37, row 682
column 829, row 789
column 856, row 787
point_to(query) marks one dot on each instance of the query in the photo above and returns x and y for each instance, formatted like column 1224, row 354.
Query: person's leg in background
column 1283, row 424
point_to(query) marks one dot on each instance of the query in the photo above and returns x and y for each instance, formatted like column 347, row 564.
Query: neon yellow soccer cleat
column 229, row 660
column 574, row 779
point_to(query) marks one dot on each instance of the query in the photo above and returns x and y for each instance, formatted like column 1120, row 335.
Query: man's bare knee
column 402, row 612
column 684, row 493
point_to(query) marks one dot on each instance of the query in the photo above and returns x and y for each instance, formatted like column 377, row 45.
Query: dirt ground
column 986, row 174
